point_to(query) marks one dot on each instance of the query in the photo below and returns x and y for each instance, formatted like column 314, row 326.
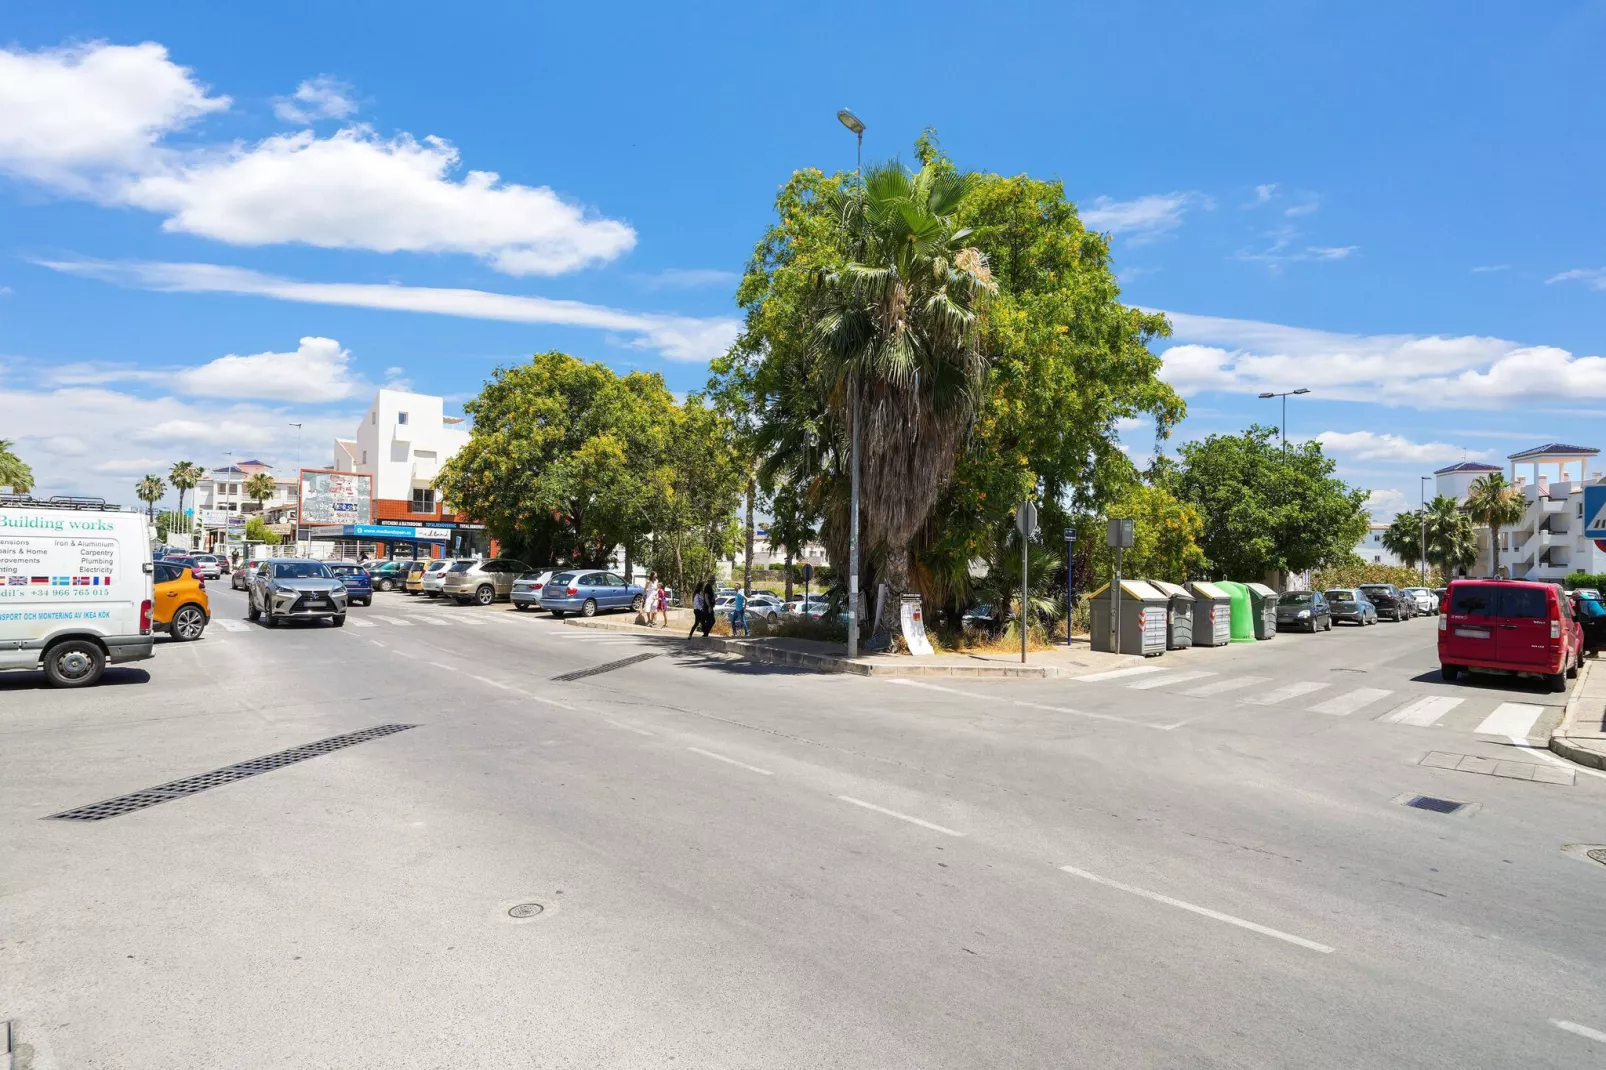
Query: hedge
column 1585, row 579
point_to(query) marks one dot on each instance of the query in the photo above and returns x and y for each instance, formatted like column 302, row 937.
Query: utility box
column 1243, row 614
column 1179, row 614
column 1263, row 610
column 1212, row 614
column 1142, row 618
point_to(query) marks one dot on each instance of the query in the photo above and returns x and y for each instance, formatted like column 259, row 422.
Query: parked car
column 588, row 593
column 388, row 575
column 765, row 606
column 1510, row 626
column 1590, row 612
column 414, row 583
column 359, row 585
column 526, row 592
column 1346, row 603
column 815, row 605
column 1390, row 601
column 240, row 578
column 1427, row 603
column 291, row 588
column 182, row 608
column 208, row 566
column 1304, row 609
column 1587, row 592
column 435, row 575
column 481, row 582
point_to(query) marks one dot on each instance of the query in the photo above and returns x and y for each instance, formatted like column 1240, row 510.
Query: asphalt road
column 1199, row 864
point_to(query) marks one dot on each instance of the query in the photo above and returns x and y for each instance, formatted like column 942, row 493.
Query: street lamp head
column 1268, row 394
column 851, row 121
column 1302, row 390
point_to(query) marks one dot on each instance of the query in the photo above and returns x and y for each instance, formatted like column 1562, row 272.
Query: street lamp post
column 1285, row 395
column 1423, row 527
column 1070, row 593
column 298, row 447
column 852, row 122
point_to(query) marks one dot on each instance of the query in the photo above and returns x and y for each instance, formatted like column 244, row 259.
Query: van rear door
column 1522, row 633
column 1470, row 625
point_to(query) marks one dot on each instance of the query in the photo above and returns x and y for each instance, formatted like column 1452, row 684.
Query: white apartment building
column 1548, row 542
column 1371, row 549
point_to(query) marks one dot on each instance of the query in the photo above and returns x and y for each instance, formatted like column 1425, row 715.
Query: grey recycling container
column 1212, row 614
column 1142, row 619
column 1178, row 616
column 1263, row 602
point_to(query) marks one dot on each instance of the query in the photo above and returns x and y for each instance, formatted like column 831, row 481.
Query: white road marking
column 376, row 642
column 436, row 621
column 493, row 683
column 900, row 817
column 1116, row 674
column 1284, row 694
column 442, row 665
column 1347, row 703
column 730, row 761
column 1204, row 911
column 1581, row 1030
column 1544, row 752
column 543, row 698
column 231, row 625
column 1221, row 687
column 1168, row 679
column 1421, row 712
column 631, row 728
column 396, row 620
column 355, row 623
column 1029, row 705
column 1511, row 719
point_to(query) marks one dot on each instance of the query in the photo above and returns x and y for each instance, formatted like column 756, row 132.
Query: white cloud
column 676, row 337
column 317, row 98
column 1282, row 250
column 1265, row 192
column 1371, row 446
column 1484, row 269
column 1427, row 372
column 688, row 278
column 1383, row 504
column 1305, row 207
column 1594, row 278
column 319, row 370
column 1145, row 218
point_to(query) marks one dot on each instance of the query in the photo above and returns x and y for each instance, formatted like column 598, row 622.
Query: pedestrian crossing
column 1480, row 712
column 362, row 617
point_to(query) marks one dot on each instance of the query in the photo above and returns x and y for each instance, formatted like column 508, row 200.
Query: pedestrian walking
column 708, row 607
column 739, row 614
column 696, row 614
column 649, row 597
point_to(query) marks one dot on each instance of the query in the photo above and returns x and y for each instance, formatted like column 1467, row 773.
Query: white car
column 815, row 606
column 765, row 606
column 1427, row 603
column 209, row 566
column 435, row 576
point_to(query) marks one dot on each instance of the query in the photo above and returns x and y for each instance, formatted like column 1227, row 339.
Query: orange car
column 182, row 609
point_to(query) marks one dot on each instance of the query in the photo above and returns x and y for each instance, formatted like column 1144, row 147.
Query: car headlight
column 1304, row 613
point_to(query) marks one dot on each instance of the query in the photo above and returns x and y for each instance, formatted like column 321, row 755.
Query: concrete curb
column 1559, row 741
column 761, row 651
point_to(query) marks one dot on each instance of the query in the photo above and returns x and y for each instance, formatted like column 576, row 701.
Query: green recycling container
column 1263, row 605
column 1243, row 613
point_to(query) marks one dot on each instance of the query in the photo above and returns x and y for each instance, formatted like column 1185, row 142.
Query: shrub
column 1355, row 573
column 1575, row 580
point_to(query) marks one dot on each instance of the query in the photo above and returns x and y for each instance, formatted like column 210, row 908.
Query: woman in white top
column 649, row 598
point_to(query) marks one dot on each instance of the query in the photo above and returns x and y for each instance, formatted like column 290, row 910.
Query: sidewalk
column 1581, row 736
column 832, row 657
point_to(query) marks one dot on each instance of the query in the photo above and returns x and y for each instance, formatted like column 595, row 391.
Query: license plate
column 1472, row 633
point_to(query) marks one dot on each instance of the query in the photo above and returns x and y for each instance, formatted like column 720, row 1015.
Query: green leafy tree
column 13, row 472
column 700, row 479
column 791, row 526
column 1166, row 535
column 185, row 476
column 150, row 490
column 1495, row 503
column 259, row 487
column 256, row 530
column 1268, row 509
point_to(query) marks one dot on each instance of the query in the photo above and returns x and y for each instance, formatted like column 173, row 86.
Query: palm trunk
column 1494, row 550
column 895, row 574
column 747, row 572
column 789, row 575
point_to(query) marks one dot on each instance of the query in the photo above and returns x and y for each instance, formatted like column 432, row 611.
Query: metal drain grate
column 1437, row 805
column 581, row 674
column 177, row 789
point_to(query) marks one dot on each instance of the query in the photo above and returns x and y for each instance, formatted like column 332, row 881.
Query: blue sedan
column 588, row 593
column 359, row 585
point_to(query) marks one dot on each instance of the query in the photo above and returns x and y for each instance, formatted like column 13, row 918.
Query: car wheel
column 366, row 602
column 252, row 613
column 269, row 619
column 557, row 614
column 1450, row 672
column 188, row 624
column 338, row 620
column 636, row 603
column 589, row 609
column 1329, row 625
column 384, row 585
column 1557, row 681
column 74, row 663
column 485, row 595
column 521, row 606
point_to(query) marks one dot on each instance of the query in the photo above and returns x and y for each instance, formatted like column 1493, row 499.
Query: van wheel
column 1557, row 681
column 74, row 663
column 1450, row 672
column 589, row 609
column 1572, row 670
column 188, row 623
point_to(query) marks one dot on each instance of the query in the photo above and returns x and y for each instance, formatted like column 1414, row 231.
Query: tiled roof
column 1556, row 449
column 1469, row 466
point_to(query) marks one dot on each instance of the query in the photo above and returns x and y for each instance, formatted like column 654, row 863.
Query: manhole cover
column 1598, row 855
column 525, row 910
column 1438, row 806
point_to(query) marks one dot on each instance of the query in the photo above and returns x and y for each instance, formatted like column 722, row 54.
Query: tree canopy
column 13, row 472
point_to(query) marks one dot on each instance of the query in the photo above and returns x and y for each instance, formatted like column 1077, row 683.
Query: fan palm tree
column 1452, row 542
column 1405, row 539
column 185, row 476
column 1495, row 503
column 260, row 487
column 150, row 490
column 899, row 334
column 13, row 473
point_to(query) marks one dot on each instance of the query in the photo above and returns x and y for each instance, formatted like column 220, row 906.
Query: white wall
column 401, row 456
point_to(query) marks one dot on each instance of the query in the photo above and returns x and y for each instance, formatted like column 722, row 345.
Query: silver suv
column 482, row 581
column 292, row 588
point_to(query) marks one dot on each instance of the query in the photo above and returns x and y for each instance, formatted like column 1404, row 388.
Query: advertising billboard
column 329, row 497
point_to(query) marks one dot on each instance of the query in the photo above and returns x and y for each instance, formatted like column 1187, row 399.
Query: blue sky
column 216, row 221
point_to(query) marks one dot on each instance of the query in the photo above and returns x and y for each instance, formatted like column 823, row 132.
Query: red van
column 1509, row 626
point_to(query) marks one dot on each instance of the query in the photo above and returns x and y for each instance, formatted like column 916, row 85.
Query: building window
column 423, row 499
column 365, row 461
column 401, row 417
column 373, row 418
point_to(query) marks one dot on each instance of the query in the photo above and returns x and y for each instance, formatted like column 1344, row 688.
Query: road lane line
column 1284, row 694
column 1203, row 911
column 1168, row 679
column 631, row 728
column 900, row 817
column 730, row 761
column 396, row 621
column 232, row 625
column 355, row 623
column 1347, row 703
column 376, row 642
column 1030, row 705
column 1421, row 712
column 543, row 698
column 442, row 665
column 1116, row 674
column 493, row 683
column 1581, row 1030
column 1221, row 687
column 1511, row 719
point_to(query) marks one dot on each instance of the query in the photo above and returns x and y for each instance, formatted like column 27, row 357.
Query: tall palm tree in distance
column 260, row 487
column 899, row 325
column 150, row 490
column 185, row 476
column 1495, row 503
column 13, row 473
column 1452, row 542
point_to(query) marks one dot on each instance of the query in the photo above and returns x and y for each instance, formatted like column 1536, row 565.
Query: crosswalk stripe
column 435, row 621
column 355, row 623
column 1421, row 712
column 1285, row 694
column 1168, row 679
column 1515, row 719
column 1116, row 674
column 396, row 621
column 232, row 625
column 1221, row 687
column 1347, row 703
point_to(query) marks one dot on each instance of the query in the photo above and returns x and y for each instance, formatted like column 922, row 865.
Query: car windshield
column 436, row 566
column 300, row 570
column 1295, row 598
column 462, row 566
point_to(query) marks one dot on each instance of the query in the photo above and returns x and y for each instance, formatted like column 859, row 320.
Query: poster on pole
column 914, row 627
column 329, row 497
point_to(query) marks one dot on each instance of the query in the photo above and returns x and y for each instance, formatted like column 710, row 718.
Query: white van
column 76, row 589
